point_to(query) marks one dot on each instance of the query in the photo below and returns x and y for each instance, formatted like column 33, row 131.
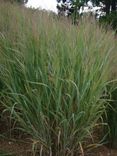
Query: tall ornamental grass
column 53, row 75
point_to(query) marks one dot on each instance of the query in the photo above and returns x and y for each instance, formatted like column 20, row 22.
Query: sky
column 43, row 4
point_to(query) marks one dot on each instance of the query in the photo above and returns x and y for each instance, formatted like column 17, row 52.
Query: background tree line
column 109, row 8
column 109, row 5
column 17, row 1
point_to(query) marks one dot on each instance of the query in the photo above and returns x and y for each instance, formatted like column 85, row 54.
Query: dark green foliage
column 5, row 154
column 17, row 1
column 110, row 19
column 1, row 85
column 22, row 1
column 112, row 120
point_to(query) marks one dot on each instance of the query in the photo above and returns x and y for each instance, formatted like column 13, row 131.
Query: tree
column 70, row 8
column 18, row 1
column 22, row 1
column 109, row 8
column 109, row 5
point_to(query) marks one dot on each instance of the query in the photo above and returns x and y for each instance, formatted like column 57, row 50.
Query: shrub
column 110, row 19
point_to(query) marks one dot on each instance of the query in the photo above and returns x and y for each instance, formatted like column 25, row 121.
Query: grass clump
column 53, row 76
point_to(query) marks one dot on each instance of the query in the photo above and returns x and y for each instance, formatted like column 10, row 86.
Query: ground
column 23, row 148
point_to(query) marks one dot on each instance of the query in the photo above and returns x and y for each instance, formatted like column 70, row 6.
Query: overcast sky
column 43, row 4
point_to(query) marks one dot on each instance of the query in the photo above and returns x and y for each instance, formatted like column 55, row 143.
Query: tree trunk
column 108, row 5
column 113, row 4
